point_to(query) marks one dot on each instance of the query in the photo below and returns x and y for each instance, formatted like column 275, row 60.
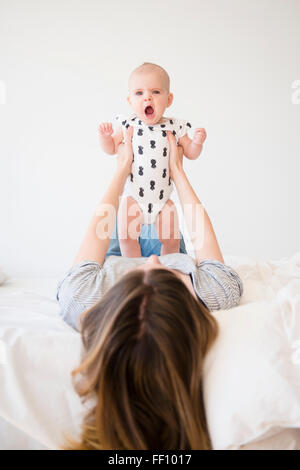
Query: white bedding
column 244, row 408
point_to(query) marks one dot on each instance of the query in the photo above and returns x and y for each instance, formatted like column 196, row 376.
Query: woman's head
column 143, row 350
column 153, row 262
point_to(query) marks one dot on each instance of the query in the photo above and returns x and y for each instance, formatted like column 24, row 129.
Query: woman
column 146, row 326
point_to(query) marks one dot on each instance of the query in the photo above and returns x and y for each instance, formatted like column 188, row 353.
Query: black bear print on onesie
column 141, row 193
column 162, row 125
column 174, row 132
column 141, row 170
column 188, row 124
column 141, row 150
column 131, row 177
column 171, row 122
column 152, row 184
column 164, row 173
column 140, row 132
column 124, row 122
column 164, row 133
column 153, row 163
column 127, row 125
column 169, row 181
column 150, row 127
column 140, row 122
column 152, row 143
column 165, row 152
column 150, row 207
column 161, row 194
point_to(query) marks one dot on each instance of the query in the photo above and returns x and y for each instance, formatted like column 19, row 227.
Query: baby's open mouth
column 149, row 111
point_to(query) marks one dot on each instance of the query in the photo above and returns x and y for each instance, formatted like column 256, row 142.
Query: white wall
column 64, row 66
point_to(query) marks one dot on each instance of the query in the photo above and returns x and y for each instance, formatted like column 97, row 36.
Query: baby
column 145, row 199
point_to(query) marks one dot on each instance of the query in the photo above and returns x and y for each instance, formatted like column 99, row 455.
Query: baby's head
column 149, row 86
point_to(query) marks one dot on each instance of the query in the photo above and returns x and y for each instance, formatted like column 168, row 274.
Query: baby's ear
column 170, row 99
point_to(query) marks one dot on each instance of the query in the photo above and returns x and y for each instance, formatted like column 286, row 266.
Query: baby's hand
column 199, row 136
column 105, row 130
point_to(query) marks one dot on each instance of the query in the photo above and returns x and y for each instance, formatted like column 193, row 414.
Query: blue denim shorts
column 148, row 240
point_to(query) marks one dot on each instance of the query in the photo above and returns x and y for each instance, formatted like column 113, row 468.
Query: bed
column 251, row 374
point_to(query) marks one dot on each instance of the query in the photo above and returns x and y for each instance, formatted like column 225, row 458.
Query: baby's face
column 148, row 93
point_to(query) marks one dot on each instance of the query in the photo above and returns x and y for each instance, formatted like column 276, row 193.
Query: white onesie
column 149, row 183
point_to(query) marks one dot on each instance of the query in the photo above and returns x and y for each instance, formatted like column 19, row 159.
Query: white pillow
column 3, row 277
column 252, row 372
column 288, row 439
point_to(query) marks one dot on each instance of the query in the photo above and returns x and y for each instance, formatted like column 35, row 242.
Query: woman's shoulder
column 86, row 282
column 218, row 285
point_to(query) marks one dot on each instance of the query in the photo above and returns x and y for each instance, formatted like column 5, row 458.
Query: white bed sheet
column 38, row 351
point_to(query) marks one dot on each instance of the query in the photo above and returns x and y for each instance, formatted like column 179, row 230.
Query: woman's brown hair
column 143, row 348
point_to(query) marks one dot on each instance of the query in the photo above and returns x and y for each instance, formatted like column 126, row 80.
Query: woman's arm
column 196, row 218
column 96, row 241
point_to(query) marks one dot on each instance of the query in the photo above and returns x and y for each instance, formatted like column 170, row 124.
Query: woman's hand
column 176, row 155
column 125, row 154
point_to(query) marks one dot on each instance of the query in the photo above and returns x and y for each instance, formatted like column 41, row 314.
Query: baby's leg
column 167, row 227
column 130, row 218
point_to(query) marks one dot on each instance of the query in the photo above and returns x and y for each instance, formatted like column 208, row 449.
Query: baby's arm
column 193, row 148
column 109, row 143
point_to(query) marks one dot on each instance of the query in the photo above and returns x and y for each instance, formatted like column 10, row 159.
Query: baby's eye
column 138, row 92
column 156, row 91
